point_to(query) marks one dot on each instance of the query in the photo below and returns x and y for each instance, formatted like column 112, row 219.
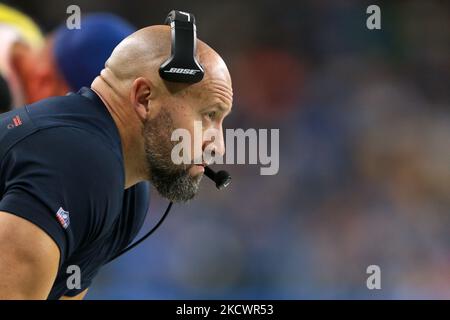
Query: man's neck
column 130, row 131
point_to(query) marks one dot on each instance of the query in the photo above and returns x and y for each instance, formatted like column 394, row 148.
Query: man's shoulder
column 74, row 110
column 71, row 124
column 68, row 152
column 77, row 145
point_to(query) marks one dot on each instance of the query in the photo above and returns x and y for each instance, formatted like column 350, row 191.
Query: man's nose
column 218, row 144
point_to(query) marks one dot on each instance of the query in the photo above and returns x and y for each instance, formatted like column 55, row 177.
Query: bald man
column 67, row 161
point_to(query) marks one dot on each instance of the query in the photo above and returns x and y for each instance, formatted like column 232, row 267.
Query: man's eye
column 211, row 115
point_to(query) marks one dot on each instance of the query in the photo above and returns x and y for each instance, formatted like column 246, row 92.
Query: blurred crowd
column 364, row 179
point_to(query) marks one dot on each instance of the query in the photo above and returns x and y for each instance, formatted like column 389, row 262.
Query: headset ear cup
column 182, row 65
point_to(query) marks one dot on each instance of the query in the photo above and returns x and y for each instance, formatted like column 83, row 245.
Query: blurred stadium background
column 364, row 119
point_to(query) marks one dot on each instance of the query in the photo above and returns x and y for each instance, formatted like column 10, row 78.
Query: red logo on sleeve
column 16, row 122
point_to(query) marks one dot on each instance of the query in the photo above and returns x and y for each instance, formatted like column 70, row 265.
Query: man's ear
column 141, row 92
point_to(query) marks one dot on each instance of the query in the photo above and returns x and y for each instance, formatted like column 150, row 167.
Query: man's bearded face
column 171, row 180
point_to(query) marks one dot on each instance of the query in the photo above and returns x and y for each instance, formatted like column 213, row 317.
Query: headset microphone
column 221, row 178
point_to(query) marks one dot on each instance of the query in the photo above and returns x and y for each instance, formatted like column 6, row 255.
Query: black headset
column 182, row 66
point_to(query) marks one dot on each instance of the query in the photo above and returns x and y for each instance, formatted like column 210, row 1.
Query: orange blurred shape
column 268, row 83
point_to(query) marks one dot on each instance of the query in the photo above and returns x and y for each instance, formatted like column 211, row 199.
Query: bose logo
column 182, row 71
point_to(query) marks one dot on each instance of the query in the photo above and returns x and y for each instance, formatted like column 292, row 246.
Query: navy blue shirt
column 61, row 168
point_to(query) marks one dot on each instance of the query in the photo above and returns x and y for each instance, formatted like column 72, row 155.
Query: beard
column 172, row 181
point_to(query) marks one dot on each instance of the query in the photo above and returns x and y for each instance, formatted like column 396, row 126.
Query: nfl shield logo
column 63, row 217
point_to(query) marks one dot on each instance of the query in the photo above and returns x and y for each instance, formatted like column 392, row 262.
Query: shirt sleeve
column 62, row 180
